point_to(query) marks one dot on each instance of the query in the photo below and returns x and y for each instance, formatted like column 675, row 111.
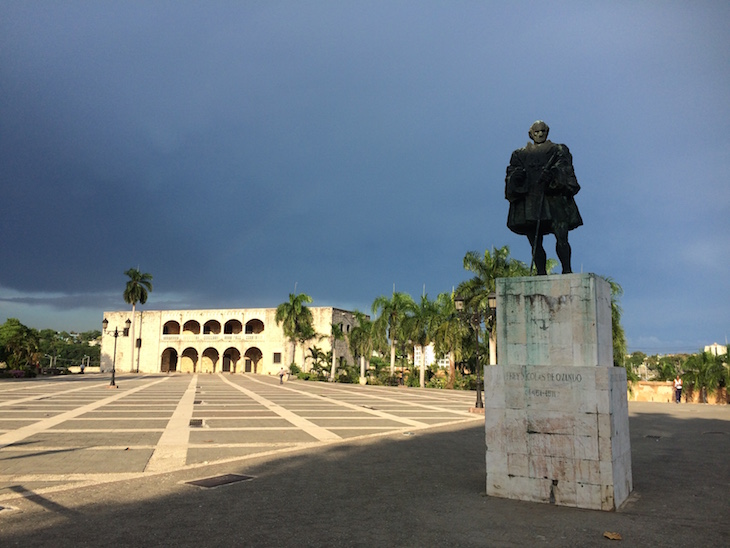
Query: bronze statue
column 540, row 186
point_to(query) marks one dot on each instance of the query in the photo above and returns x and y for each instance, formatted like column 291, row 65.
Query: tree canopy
column 296, row 320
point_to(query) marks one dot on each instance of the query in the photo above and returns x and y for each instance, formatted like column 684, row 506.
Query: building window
column 277, row 357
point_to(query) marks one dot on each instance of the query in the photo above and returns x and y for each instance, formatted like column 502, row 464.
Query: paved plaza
column 317, row 464
column 75, row 430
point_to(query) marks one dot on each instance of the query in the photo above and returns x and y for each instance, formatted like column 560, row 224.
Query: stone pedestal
column 556, row 413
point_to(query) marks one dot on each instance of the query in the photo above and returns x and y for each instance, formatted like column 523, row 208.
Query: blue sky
column 235, row 149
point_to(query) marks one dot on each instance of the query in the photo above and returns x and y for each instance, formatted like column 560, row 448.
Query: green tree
column 704, row 372
column 618, row 335
column 449, row 334
column 89, row 336
column 336, row 335
column 637, row 358
column 391, row 314
column 296, row 320
column 319, row 360
column 138, row 285
column 18, row 344
column 667, row 367
column 65, row 350
column 362, row 341
column 486, row 270
column 421, row 328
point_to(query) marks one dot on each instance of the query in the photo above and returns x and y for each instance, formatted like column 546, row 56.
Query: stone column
column 556, row 412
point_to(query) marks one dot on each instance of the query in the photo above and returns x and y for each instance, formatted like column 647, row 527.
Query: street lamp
column 114, row 334
column 492, row 304
column 474, row 321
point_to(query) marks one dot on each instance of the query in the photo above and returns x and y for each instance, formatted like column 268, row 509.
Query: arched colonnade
column 212, row 346
column 211, row 360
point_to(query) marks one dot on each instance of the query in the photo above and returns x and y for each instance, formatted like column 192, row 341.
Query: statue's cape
column 540, row 184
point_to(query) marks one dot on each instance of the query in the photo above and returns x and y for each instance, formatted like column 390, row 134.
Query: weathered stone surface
column 557, row 429
column 554, row 320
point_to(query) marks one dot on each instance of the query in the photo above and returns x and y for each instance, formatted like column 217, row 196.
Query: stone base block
column 558, row 435
column 554, row 320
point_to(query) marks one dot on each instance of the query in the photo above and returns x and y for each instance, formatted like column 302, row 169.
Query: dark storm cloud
column 235, row 149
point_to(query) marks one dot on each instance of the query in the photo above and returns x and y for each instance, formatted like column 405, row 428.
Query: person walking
column 281, row 375
column 677, row 389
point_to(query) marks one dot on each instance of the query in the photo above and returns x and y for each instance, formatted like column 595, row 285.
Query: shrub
column 347, row 373
column 384, row 378
column 17, row 373
column 413, row 378
column 437, row 382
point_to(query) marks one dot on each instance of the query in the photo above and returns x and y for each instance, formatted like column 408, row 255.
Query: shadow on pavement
column 421, row 490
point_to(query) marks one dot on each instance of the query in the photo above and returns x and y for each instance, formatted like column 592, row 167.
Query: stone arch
column 253, row 360
column 254, row 327
column 168, row 361
column 191, row 327
column 209, row 361
column 171, row 328
column 189, row 360
column 232, row 327
column 231, row 357
column 212, row 327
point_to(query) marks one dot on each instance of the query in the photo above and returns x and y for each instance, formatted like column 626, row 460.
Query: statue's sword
column 548, row 166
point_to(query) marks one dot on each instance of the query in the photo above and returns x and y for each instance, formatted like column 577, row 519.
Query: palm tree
column 704, row 371
column 449, row 333
column 392, row 313
column 362, row 341
column 136, row 292
column 318, row 358
column 421, row 327
column 487, row 269
column 296, row 320
column 337, row 335
column 620, row 348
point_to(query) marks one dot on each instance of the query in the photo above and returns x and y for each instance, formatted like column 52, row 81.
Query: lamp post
column 492, row 304
column 115, row 334
column 474, row 321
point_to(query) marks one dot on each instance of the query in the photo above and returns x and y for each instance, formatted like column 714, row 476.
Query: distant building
column 716, row 349
column 236, row 341
column 430, row 357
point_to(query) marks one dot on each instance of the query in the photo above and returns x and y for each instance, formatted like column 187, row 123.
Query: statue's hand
column 546, row 178
column 518, row 175
column 516, row 187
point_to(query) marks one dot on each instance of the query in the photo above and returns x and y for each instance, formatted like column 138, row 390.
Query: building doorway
column 168, row 363
column 253, row 358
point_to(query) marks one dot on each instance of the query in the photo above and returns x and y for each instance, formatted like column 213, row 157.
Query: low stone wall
column 76, row 369
column 663, row 391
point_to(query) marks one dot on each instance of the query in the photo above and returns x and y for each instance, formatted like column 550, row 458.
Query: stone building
column 236, row 341
column 716, row 349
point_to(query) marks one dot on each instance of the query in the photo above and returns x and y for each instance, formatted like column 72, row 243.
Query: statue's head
column 539, row 132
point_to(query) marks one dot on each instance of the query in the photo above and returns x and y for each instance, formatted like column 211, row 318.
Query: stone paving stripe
column 46, row 396
column 40, row 426
column 403, row 404
column 171, row 450
column 102, row 430
column 249, row 428
column 361, row 408
column 317, row 432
